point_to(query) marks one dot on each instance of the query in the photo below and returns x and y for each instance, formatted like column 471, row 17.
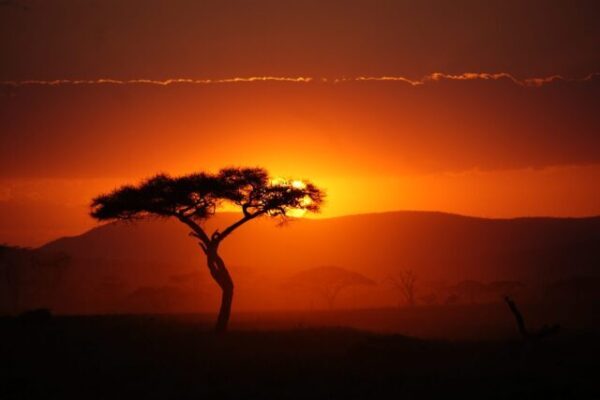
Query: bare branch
column 197, row 229
column 227, row 231
column 530, row 336
column 518, row 317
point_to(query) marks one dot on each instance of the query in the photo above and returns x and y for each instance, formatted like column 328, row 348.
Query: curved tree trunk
column 220, row 274
column 226, row 284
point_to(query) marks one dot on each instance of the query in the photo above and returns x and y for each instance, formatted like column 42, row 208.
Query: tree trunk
column 220, row 274
column 226, row 285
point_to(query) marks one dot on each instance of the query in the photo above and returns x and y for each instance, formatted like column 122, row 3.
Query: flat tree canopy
column 196, row 197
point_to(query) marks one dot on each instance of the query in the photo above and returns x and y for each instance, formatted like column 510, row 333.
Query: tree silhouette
column 196, row 197
column 404, row 283
column 327, row 282
column 469, row 289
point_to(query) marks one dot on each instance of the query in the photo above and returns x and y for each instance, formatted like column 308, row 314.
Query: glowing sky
column 482, row 108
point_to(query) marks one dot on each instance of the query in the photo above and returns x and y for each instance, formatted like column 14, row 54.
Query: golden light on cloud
column 429, row 78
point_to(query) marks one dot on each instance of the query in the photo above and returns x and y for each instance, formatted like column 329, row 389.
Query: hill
column 156, row 260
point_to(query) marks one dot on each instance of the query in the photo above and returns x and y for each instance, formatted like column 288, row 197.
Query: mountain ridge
column 155, row 264
column 359, row 215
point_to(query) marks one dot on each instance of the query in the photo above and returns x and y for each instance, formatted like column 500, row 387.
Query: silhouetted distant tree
column 327, row 282
column 404, row 282
column 469, row 289
column 504, row 287
column 196, row 197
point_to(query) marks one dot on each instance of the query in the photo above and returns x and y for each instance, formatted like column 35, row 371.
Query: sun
column 296, row 184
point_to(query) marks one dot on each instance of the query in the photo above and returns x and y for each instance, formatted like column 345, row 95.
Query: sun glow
column 296, row 184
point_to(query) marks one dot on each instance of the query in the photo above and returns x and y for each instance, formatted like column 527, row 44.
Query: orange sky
column 486, row 147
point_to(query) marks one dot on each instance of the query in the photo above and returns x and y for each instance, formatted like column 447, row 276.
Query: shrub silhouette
column 196, row 197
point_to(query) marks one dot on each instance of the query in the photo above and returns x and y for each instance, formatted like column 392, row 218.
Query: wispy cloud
column 165, row 82
column 472, row 76
column 428, row 79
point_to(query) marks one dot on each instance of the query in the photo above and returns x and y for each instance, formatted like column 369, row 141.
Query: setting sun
column 298, row 184
column 295, row 184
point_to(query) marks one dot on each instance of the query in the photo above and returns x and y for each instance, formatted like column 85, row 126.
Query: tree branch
column 530, row 336
column 197, row 230
column 245, row 207
column 518, row 317
column 220, row 236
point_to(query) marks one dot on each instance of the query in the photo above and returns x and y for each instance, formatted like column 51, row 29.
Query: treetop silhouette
column 195, row 197
column 327, row 281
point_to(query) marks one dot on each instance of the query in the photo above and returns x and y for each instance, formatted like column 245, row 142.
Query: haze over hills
column 161, row 258
column 435, row 244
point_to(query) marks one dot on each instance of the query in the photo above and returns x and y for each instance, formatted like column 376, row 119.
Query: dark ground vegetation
column 178, row 357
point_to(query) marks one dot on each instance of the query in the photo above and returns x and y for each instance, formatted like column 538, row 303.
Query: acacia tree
column 196, row 197
column 327, row 281
column 405, row 284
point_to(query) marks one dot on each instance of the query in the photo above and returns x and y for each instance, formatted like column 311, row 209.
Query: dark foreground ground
column 178, row 358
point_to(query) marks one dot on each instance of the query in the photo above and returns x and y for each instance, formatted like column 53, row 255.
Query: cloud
column 472, row 76
column 165, row 82
column 428, row 79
